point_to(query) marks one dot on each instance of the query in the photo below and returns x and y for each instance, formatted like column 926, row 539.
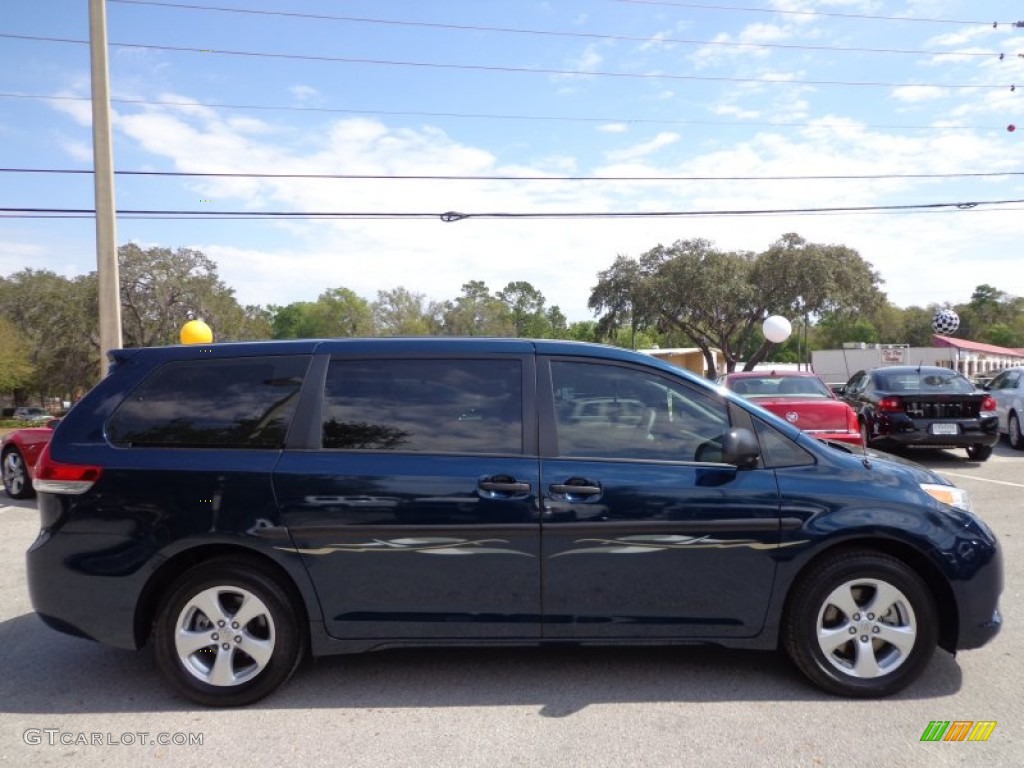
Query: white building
column 971, row 358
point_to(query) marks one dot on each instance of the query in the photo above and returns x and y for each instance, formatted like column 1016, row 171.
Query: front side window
column 1000, row 381
column 238, row 403
column 608, row 411
column 424, row 406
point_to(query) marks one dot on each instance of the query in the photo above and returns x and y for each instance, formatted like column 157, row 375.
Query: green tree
column 836, row 328
column 477, row 313
column 583, row 330
column 400, row 312
column 530, row 315
column 341, row 312
column 719, row 299
column 338, row 312
column 15, row 368
column 56, row 320
column 162, row 289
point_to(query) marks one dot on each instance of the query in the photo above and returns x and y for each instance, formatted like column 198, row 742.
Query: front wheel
column 226, row 634
column 979, row 452
column 861, row 624
column 16, row 482
column 1013, row 430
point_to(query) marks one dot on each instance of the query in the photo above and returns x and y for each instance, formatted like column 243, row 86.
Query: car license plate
column 945, row 429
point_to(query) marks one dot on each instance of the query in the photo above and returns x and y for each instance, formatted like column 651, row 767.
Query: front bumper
column 977, row 589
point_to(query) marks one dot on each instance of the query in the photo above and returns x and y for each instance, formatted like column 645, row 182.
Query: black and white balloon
column 945, row 321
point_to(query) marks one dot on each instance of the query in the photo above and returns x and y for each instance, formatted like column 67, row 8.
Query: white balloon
column 776, row 329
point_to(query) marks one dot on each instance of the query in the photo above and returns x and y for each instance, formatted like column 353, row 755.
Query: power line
column 492, row 116
column 545, row 32
column 452, row 177
column 706, row 6
column 455, row 216
column 510, row 69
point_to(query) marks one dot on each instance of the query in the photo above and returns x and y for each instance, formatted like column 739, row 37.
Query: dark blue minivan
column 244, row 505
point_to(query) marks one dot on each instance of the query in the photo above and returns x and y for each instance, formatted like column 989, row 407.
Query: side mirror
column 737, row 446
column 839, row 389
column 740, row 447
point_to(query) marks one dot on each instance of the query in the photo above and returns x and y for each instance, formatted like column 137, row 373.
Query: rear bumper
column 88, row 585
column 898, row 429
column 843, row 436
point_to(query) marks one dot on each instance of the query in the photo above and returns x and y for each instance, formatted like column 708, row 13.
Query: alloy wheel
column 225, row 636
column 866, row 628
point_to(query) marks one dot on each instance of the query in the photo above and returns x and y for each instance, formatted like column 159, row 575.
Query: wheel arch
column 169, row 571
column 934, row 579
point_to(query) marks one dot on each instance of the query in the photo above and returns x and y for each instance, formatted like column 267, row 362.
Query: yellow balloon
column 196, row 332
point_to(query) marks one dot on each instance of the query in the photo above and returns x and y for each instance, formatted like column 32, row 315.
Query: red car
column 18, row 453
column 802, row 399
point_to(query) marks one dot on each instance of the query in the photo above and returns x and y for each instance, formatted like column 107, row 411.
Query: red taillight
column 988, row 403
column 54, row 477
column 890, row 405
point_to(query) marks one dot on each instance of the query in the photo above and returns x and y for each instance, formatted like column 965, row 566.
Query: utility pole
column 103, row 179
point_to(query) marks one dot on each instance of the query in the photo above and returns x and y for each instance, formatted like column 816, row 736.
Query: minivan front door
column 645, row 532
column 418, row 516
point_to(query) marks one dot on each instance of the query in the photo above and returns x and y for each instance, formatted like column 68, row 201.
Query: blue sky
column 605, row 88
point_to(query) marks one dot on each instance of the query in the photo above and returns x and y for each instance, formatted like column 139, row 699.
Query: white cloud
column 918, row 93
column 303, row 92
column 588, row 60
column 643, row 149
column 925, row 255
column 613, row 128
column 79, row 150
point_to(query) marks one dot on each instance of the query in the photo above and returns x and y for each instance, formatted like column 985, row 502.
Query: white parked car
column 1007, row 389
column 31, row 413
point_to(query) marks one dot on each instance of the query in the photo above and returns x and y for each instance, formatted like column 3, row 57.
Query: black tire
column 1013, row 432
column 215, row 668
column 16, row 481
column 979, row 452
column 864, row 663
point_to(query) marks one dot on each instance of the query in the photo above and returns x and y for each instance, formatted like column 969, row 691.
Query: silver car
column 1007, row 389
column 31, row 413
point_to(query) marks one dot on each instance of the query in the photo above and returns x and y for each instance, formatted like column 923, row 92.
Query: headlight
column 949, row 494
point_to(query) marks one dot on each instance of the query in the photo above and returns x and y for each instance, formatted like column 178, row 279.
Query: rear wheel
column 861, row 624
column 979, row 452
column 16, row 482
column 226, row 634
column 1013, row 428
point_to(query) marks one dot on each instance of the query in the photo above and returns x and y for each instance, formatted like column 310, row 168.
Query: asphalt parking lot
column 64, row 699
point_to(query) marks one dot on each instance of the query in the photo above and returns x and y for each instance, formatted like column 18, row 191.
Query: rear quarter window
column 232, row 403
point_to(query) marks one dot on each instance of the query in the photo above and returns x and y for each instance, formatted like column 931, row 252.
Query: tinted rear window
column 925, row 381
column 424, row 406
column 239, row 403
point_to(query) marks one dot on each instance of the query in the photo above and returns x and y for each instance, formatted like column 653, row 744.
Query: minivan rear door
column 416, row 513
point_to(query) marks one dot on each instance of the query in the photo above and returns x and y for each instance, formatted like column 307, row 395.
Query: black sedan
column 904, row 406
